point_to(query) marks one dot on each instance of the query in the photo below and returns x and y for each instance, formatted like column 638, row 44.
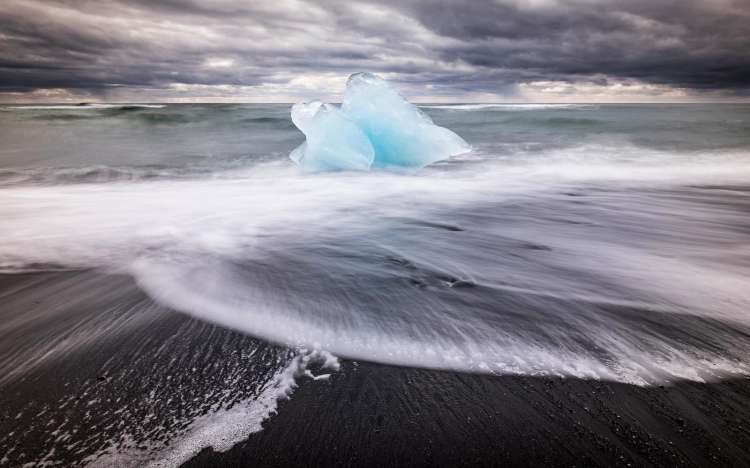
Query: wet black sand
column 91, row 365
column 114, row 362
column 373, row 415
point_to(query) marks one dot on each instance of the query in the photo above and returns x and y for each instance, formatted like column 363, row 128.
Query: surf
column 527, row 270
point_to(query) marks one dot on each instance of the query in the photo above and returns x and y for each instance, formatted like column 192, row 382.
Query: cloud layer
column 284, row 50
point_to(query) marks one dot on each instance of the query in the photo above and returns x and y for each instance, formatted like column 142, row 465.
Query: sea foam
column 527, row 268
column 375, row 127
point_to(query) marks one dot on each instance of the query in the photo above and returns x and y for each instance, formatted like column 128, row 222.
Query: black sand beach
column 102, row 375
column 371, row 415
column 364, row 415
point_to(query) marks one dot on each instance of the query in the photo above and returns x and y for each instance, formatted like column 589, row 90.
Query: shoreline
column 378, row 415
column 111, row 347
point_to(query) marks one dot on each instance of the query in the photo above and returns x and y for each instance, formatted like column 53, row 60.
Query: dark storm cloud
column 678, row 42
column 455, row 47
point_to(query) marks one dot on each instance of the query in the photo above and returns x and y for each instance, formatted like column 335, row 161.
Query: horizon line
column 418, row 103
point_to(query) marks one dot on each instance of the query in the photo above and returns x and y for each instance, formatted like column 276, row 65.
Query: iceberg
column 375, row 127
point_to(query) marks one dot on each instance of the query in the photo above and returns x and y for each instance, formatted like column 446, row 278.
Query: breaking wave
column 615, row 270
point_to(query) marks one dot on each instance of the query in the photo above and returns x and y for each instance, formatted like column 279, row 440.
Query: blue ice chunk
column 401, row 134
column 375, row 126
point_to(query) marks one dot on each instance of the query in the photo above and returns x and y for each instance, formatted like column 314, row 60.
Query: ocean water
column 591, row 241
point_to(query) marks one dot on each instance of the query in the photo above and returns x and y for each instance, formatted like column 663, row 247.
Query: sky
column 432, row 50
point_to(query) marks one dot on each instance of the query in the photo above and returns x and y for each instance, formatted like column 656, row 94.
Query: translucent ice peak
column 375, row 127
